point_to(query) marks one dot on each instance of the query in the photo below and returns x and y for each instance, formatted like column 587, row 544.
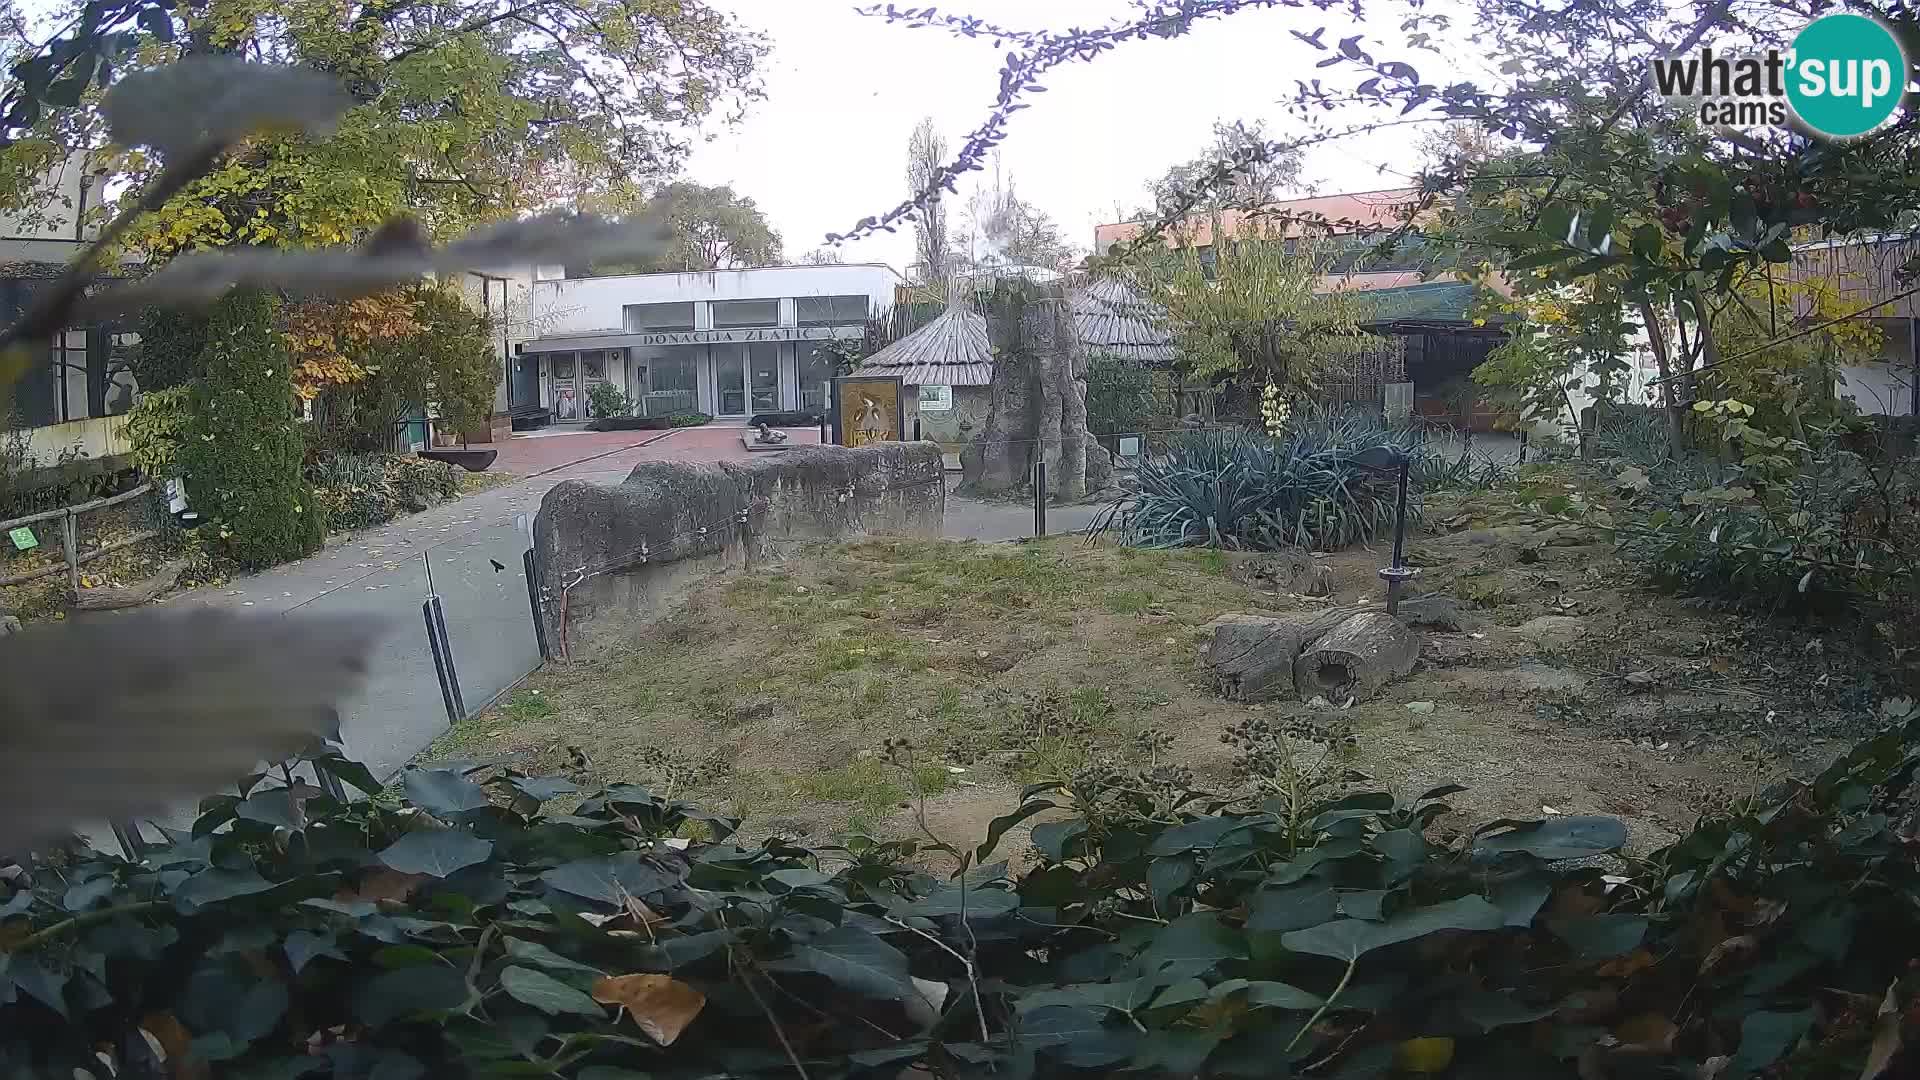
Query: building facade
column 1865, row 272
column 728, row 343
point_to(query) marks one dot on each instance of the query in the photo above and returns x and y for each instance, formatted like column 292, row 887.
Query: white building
column 729, row 343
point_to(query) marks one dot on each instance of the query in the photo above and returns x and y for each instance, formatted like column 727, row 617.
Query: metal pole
column 533, row 603
column 70, row 549
column 127, row 835
column 456, row 711
column 916, row 427
column 1523, row 441
column 1397, row 572
column 1039, row 497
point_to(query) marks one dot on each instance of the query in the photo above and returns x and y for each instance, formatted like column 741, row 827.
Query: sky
column 828, row 145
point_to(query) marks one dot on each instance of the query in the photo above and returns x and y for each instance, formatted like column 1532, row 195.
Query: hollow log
column 1252, row 655
column 1356, row 658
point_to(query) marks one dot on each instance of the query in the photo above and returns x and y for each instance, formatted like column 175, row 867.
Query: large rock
column 1356, row 658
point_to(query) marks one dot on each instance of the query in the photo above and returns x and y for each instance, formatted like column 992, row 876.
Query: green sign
column 23, row 539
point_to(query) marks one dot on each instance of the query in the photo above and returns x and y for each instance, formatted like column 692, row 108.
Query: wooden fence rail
column 72, row 558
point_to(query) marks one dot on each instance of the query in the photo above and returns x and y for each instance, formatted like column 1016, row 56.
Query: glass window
column 659, row 318
column 563, row 365
column 671, row 381
column 729, row 376
column 816, row 371
column 763, row 370
column 593, row 366
column 733, row 313
column 830, row 310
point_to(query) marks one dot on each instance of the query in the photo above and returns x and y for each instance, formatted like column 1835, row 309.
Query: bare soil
column 770, row 693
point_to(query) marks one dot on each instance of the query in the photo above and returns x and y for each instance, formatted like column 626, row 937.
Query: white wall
column 579, row 305
column 50, row 227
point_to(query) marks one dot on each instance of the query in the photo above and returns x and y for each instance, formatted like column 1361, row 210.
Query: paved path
column 474, row 547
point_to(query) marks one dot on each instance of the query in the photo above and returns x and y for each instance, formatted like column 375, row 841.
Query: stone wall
column 612, row 555
column 959, row 424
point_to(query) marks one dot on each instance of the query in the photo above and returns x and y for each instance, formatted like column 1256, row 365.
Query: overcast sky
column 828, row 145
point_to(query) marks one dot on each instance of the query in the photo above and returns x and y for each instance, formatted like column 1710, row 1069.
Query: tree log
column 1356, row 658
column 134, row 595
column 1252, row 655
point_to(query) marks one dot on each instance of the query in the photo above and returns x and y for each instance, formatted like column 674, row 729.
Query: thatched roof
column 1114, row 320
column 951, row 350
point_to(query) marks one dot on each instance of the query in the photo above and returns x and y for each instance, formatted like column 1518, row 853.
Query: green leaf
column 1568, row 837
column 673, row 953
column 1198, row 936
column 1599, row 224
column 349, row 771
column 436, row 853
column 532, row 952
column 213, row 886
column 1052, row 837
column 410, row 991
column 1268, row 995
column 440, row 791
column 855, row 959
column 1520, row 898
column 1078, row 1037
column 1344, row 939
column 1203, row 832
column 1765, row 1037
column 273, row 806
column 542, row 788
column 395, row 1065
column 304, row 946
column 1167, row 876
column 1648, row 242
column 1596, row 937
column 1292, row 907
column 608, row 879
column 546, row 993
column 998, row 827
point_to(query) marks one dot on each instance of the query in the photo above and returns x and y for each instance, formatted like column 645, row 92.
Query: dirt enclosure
column 1574, row 691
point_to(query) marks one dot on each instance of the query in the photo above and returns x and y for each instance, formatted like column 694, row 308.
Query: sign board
column 868, row 409
column 1129, row 446
column 23, row 539
column 936, row 398
column 770, row 333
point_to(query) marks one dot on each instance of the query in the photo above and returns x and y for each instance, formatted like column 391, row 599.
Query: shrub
column 648, row 423
column 608, row 400
column 170, row 350
column 242, row 451
column 448, row 361
column 1242, row 490
column 469, row 930
column 363, row 490
column 153, row 430
column 418, row 482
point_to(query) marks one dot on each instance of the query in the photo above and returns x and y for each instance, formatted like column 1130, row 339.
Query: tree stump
column 1037, row 403
column 1252, row 656
column 1356, row 658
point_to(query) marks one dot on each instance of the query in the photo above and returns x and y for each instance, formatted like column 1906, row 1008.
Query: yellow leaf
column 1430, row 1055
column 662, row 1005
column 1648, row 1030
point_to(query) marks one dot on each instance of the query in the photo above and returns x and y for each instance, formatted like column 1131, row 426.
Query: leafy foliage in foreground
column 471, row 931
column 1242, row 490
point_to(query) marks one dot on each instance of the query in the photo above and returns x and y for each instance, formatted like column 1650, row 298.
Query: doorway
column 564, row 370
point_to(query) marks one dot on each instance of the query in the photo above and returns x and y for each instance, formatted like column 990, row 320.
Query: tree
column 1574, row 342
column 1261, row 176
column 822, row 256
column 712, row 229
column 438, row 353
column 460, row 107
column 242, row 452
column 1006, row 230
column 1250, row 311
column 926, row 149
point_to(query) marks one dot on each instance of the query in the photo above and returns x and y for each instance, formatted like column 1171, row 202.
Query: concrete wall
column 102, row 436
column 611, row 555
column 578, row 305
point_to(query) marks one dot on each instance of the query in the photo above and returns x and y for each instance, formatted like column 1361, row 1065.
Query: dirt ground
column 770, row 693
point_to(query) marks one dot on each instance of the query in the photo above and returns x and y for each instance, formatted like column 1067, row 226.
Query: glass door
column 730, row 379
column 593, row 371
column 566, row 387
column 763, row 368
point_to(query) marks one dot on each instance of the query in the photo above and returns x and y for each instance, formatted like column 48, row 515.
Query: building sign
column 867, row 410
column 767, row 333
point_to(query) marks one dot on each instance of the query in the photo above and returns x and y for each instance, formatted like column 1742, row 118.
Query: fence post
column 1523, row 445
column 533, row 601
column 1039, row 497
column 70, row 548
column 441, row 648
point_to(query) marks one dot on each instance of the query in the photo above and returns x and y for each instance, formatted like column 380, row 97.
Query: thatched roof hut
column 1115, row 321
column 951, row 350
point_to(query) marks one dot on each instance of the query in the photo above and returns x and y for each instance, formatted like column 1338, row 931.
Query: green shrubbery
column 1244, row 490
column 363, row 490
column 242, row 451
column 608, row 401
column 518, row 929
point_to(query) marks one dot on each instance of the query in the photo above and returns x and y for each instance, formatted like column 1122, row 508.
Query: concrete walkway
column 473, row 549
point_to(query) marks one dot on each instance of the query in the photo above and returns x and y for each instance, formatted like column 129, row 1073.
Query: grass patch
column 527, row 705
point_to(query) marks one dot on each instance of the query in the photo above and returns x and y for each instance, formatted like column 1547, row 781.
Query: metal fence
column 665, row 403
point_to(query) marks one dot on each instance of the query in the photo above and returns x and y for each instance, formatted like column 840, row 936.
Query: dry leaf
column 1574, row 901
column 1886, row 1036
column 662, row 1005
column 1647, row 1031
column 391, row 885
column 1430, row 1055
column 1625, row 967
column 1732, row 948
column 1766, row 912
column 163, row 1029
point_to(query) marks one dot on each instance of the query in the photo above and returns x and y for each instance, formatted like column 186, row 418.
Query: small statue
column 768, row 436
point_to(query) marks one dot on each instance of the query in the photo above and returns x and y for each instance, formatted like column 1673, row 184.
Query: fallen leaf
column 1430, row 1055
column 386, row 885
column 1639, row 678
column 1886, row 1036
column 662, row 1005
column 1647, row 1031
column 1766, row 912
column 1419, row 706
column 163, row 1029
column 1623, row 967
column 1731, row 948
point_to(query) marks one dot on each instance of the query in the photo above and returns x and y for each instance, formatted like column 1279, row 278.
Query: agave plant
column 1237, row 489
